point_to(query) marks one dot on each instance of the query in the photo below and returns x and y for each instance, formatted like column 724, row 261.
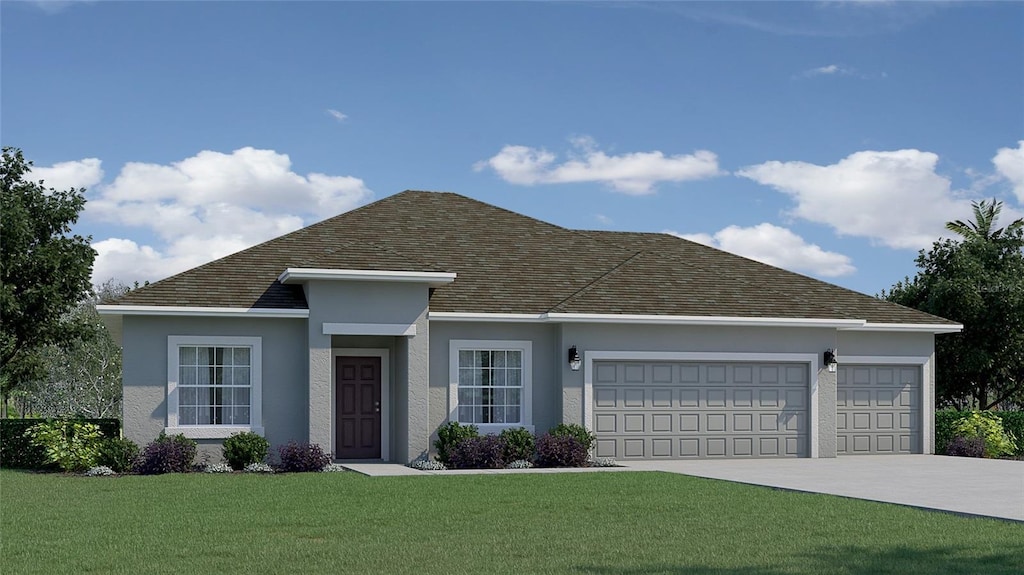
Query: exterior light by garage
column 830, row 359
column 574, row 359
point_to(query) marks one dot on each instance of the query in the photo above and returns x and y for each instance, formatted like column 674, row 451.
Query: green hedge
column 1013, row 422
column 17, row 452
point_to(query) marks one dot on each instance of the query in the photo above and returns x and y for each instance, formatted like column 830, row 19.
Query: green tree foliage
column 978, row 281
column 44, row 269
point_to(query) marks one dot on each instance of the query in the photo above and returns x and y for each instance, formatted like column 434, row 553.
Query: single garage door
column 677, row 410
column 878, row 409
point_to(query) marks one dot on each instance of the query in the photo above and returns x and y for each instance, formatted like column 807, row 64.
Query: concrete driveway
column 987, row 487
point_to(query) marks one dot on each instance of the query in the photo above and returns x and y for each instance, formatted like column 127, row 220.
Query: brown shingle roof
column 510, row 263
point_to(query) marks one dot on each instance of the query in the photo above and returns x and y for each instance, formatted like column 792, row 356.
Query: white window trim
column 526, row 410
column 255, row 386
column 810, row 359
column 923, row 363
column 385, row 395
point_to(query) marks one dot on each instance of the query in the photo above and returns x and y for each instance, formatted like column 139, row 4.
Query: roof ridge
column 597, row 280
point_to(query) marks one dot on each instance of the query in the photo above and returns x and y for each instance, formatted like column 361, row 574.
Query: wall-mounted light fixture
column 574, row 359
column 830, row 359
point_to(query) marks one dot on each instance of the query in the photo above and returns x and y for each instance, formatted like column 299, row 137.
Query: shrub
column 244, row 448
column 1013, row 423
column 519, row 443
column 258, row 468
column 299, row 457
column 449, row 435
column 117, row 453
column 99, row 471
column 425, row 464
column 519, row 464
column 560, row 451
column 988, row 426
column 217, row 468
column 18, row 452
column 167, row 454
column 486, row 452
column 966, row 447
column 72, row 445
column 574, row 430
column 944, row 420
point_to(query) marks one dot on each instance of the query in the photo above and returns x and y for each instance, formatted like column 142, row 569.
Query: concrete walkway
column 985, row 487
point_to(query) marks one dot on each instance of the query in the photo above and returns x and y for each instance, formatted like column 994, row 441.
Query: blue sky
column 830, row 138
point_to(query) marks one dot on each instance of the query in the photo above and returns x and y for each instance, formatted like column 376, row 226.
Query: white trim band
column 201, row 311
column 908, row 327
column 297, row 275
column 399, row 329
column 839, row 324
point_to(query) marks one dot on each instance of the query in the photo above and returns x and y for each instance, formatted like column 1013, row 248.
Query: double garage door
column 682, row 410
column 674, row 410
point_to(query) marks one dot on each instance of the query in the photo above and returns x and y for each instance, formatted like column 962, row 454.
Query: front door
column 358, row 408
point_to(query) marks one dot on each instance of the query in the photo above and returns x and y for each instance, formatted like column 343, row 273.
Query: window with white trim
column 214, row 385
column 491, row 383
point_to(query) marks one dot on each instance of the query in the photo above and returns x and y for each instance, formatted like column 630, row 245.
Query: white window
column 214, row 385
column 491, row 383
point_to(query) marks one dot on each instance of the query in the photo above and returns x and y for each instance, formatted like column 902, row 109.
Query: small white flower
column 258, row 468
column 333, row 468
column 99, row 471
column 427, row 464
column 217, row 468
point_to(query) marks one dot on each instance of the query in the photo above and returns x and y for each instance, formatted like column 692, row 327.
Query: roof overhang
column 838, row 324
column 299, row 275
column 909, row 327
column 113, row 315
column 200, row 311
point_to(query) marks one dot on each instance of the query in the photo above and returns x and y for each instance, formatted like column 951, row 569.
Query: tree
column 977, row 281
column 81, row 377
column 44, row 270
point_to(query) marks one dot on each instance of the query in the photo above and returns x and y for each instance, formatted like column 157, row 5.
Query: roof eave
column 196, row 311
column 300, row 275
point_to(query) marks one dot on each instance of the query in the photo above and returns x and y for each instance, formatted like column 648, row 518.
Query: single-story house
column 366, row 332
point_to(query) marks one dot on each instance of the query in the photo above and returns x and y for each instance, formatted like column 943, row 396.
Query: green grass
column 585, row 523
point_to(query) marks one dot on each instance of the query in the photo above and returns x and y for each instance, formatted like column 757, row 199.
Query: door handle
column 376, row 407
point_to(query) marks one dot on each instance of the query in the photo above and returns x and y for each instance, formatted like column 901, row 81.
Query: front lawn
column 584, row 523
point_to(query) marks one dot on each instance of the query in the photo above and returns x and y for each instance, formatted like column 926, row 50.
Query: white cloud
column 1009, row 163
column 825, row 70
column 337, row 115
column 632, row 173
column 208, row 206
column 603, row 219
column 776, row 246
column 895, row 198
column 65, row 175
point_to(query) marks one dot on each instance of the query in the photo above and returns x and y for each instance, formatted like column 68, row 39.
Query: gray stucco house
column 367, row 331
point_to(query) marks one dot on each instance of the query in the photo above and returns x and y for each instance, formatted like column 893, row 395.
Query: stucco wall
column 370, row 302
column 284, row 373
column 546, row 375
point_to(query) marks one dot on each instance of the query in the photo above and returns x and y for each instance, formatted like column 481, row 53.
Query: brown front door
column 358, row 408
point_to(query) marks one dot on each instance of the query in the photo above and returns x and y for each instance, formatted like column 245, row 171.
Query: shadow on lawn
column 852, row 560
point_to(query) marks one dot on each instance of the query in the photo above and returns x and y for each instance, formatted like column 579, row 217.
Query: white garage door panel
column 678, row 410
column 878, row 409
